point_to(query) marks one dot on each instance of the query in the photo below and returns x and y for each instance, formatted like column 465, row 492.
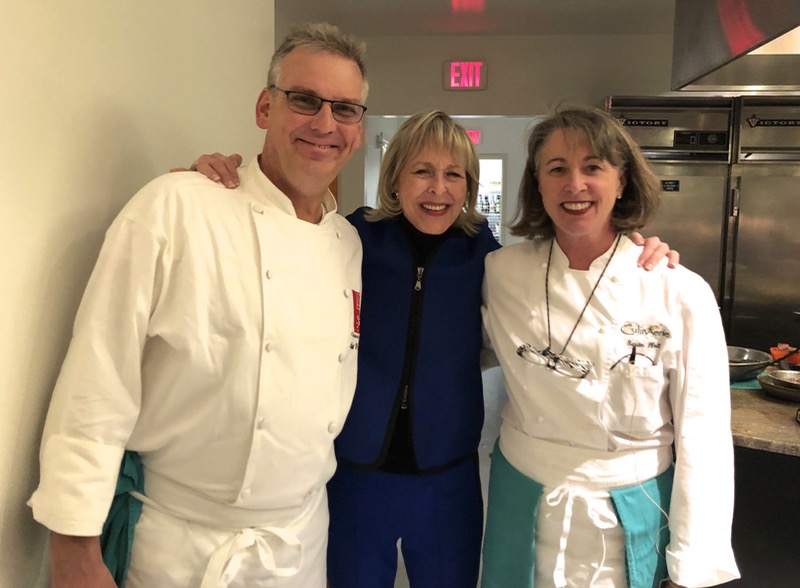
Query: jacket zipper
column 403, row 398
column 415, row 321
column 418, row 285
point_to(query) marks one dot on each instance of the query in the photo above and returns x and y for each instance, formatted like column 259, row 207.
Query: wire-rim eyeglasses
column 561, row 364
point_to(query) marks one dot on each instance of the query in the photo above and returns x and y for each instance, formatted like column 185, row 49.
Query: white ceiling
column 381, row 18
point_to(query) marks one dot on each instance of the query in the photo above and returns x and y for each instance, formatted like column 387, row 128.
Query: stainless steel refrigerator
column 763, row 307
column 688, row 144
column 730, row 175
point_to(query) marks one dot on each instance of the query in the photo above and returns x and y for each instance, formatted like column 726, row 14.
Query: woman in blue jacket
column 407, row 454
column 408, row 466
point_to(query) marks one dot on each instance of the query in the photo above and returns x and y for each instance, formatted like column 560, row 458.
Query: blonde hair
column 428, row 129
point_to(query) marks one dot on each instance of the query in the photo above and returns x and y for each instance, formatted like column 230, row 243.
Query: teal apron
column 116, row 540
column 509, row 556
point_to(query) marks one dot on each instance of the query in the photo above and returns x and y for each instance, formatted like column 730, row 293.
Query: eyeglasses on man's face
column 561, row 364
column 348, row 113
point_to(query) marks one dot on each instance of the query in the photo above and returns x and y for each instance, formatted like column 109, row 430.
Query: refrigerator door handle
column 734, row 211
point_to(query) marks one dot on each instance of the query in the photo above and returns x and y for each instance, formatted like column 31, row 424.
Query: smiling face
column 578, row 188
column 303, row 154
column 432, row 189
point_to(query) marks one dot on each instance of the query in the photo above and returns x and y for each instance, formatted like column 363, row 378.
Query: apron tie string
column 226, row 561
column 603, row 518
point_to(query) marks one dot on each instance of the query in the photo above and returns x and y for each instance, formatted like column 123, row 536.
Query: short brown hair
column 609, row 141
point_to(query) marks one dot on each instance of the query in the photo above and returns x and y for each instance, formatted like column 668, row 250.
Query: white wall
column 97, row 98
column 527, row 76
column 378, row 130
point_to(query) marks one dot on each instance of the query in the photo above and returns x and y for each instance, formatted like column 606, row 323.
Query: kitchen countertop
column 759, row 421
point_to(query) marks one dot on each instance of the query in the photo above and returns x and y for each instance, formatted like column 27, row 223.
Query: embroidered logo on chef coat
column 645, row 335
column 657, row 330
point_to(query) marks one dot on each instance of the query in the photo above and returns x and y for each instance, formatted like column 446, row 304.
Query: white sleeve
column 701, row 511
column 97, row 397
column 488, row 356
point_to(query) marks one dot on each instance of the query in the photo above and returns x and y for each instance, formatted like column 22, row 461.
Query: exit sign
column 474, row 136
column 465, row 75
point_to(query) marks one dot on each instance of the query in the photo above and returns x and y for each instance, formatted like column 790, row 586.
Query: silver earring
column 393, row 195
column 620, row 196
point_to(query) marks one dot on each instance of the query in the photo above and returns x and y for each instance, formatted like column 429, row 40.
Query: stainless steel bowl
column 745, row 363
column 785, row 378
column 778, row 390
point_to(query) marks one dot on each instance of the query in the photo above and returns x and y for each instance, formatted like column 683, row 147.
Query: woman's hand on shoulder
column 217, row 167
column 653, row 251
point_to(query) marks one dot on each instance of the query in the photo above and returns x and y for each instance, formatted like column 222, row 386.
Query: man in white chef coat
column 217, row 338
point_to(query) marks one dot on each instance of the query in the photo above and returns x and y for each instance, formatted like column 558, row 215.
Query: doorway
column 490, row 192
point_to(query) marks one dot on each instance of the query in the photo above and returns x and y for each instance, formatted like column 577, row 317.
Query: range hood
column 737, row 46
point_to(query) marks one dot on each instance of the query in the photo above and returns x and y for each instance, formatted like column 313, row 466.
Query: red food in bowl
column 781, row 350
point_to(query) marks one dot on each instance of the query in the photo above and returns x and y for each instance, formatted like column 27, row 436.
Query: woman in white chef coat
column 607, row 367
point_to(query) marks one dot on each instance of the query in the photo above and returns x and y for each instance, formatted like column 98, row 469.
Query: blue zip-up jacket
column 445, row 394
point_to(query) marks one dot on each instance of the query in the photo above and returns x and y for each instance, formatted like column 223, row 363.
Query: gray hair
column 325, row 38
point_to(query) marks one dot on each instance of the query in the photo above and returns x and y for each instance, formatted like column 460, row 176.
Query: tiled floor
column 494, row 395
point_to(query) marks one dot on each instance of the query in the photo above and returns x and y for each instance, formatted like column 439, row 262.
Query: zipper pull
column 404, row 402
column 418, row 285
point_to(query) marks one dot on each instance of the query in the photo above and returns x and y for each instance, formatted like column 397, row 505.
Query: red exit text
column 465, row 75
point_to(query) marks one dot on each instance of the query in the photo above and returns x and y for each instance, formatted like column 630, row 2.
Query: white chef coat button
column 332, row 428
column 268, row 273
column 341, row 357
column 245, row 493
column 261, row 423
column 602, row 330
column 268, row 346
column 540, row 419
column 338, row 235
column 534, row 313
column 615, row 279
column 347, row 293
column 258, row 208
